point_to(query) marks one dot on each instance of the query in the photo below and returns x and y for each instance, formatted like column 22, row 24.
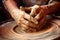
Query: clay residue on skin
column 31, row 29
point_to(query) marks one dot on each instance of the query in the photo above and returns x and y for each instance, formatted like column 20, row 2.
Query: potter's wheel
column 10, row 31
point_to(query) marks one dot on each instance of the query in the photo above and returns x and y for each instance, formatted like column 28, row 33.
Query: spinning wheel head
column 10, row 30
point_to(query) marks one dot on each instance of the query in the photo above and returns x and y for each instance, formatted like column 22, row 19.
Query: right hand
column 38, row 13
column 40, row 17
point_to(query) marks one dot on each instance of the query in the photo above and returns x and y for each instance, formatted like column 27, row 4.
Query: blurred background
column 4, row 15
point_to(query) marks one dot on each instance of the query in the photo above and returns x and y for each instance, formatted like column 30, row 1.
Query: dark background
column 4, row 15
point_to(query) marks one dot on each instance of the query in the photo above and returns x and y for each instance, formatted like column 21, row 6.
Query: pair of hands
column 36, row 17
column 31, row 19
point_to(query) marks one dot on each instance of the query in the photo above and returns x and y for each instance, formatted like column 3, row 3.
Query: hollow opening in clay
column 46, row 27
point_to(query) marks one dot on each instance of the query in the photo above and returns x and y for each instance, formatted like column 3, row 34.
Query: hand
column 24, row 20
column 39, row 13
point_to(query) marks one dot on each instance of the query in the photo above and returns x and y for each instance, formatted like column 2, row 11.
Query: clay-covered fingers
column 34, row 10
column 30, row 18
column 28, row 23
column 41, row 17
column 38, row 16
column 41, row 21
column 27, row 16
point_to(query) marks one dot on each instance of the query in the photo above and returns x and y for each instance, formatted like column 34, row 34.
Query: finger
column 30, row 18
column 34, row 10
column 28, row 23
column 38, row 16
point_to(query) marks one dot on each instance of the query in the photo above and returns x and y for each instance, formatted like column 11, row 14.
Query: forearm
column 11, row 7
column 52, row 8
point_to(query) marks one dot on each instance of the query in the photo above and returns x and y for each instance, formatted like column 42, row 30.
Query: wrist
column 51, row 8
